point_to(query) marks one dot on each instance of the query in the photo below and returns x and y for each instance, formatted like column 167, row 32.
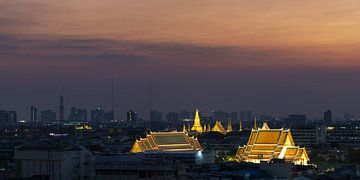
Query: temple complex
column 166, row 141
column 266, row 144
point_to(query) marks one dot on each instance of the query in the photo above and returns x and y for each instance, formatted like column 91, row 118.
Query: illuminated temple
column 266, row 144
column 166, row 141
column 218, row 127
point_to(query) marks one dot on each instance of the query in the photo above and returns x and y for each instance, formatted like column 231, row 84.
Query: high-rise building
column 109, row 116
column 131, row 116
column 172, row 117
column 156, row 116
column 78, row 114
column 265, row 118
column 246, row 116
column 8, row 118
column 328, row 117
column 234, row 116
column 184, row 115
column 220, row 115
column 61, row 108
column 47, row 116
column 33, row 114
column 98, row 115
column 296, row 119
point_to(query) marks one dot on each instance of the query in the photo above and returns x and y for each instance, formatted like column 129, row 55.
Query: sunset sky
column 272, row 57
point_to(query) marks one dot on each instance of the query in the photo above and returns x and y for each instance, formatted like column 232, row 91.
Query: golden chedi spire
column 229, row 126
column 208, row 128
column 197, row 125
column 204, row 128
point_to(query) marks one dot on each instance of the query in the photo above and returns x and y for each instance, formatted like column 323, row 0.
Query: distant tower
column 197, row 125
column 33, row 114
column 328, row 117
column 255, row 123
column 229, row 126
column 61, row 108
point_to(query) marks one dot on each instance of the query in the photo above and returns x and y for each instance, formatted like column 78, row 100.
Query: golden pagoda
column 166, row 141
column 266, row 144
column 197, row 125
column 218, row 128
column 229, row 127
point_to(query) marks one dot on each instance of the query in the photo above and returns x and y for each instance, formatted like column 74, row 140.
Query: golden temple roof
column 218, row 128
column 265, row 144
column 167, row 141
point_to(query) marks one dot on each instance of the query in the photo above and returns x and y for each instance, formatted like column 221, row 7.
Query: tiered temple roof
column 266, row 144
column 167, row 141
column 218, row 128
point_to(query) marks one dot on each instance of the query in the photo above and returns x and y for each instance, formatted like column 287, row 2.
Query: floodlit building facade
column 167, row 141
column 266, row 144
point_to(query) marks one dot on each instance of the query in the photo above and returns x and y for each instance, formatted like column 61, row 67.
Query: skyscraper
column 328, row 117
column 98, row 115
column 78, row 114
column 184, row 115
column 131, row 116
column 8, row 118
column 172, row 117
column 156, row 116
column 47, row 116
column 33, row 114
column 246, row 116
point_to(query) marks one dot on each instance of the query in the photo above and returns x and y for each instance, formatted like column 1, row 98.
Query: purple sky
column 272, row 57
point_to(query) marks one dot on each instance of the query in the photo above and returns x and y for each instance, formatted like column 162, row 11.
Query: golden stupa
column 266, row 144
column 197, row 125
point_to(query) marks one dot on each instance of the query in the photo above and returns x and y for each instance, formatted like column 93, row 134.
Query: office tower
column 234, row 116
column 61, row 108
column 33, row 114
column 78, row 114
column 295, row 119
column 172, row 117
column 328, row 117
column 131, row 116
column 184, row 115
column 156, row 116
column 265, row 118
column 109, row 116
column 98, row 115
column 246, row 116
column 47, row 116
column 220, row 115
column 8, row 118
